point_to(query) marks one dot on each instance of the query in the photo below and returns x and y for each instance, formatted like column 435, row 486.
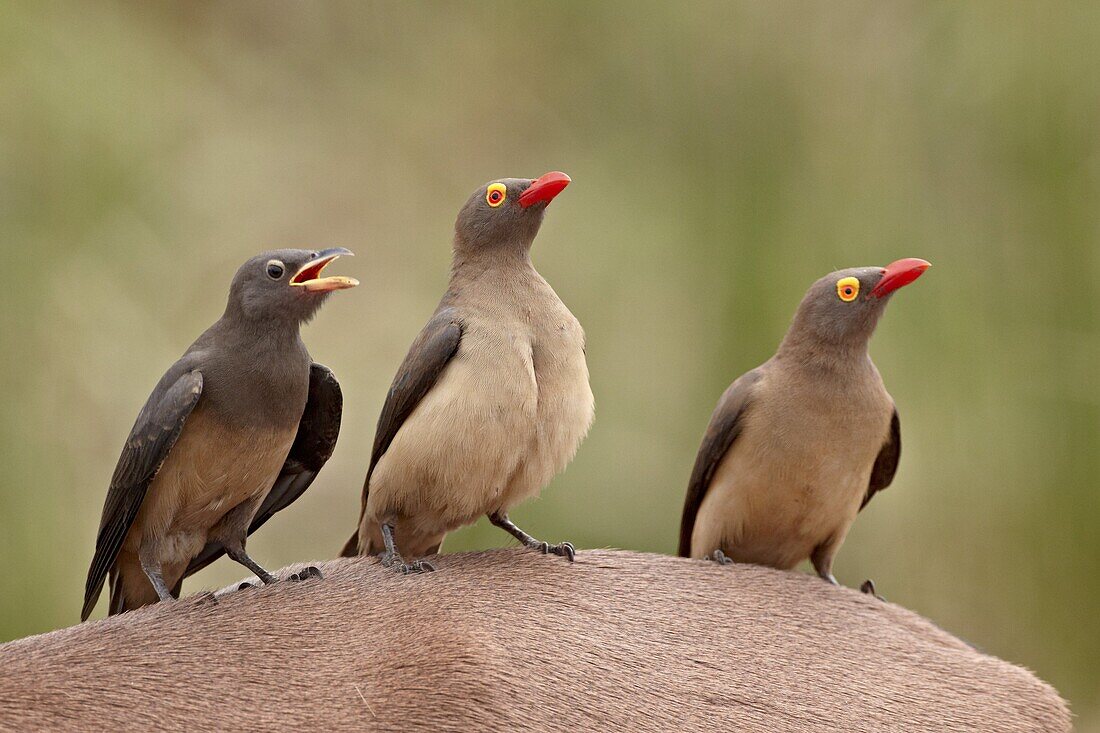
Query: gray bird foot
column 719, row 557
column 306, row 574
column 868, row 587
column 395, row 561
column 564, row 549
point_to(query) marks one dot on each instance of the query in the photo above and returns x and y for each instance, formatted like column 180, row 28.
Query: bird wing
column 429, row 354
column 314, row 443
column 156, row 430
column 725, row 425
column 886, row 464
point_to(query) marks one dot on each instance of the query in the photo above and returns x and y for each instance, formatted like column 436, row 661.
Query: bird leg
column 719, row 557
column 151, row 566
column 565, row 549
column 236, row 552
column 391, row 558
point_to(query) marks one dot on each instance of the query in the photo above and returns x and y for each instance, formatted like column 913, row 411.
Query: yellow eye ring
column 847, row 289
column 495, row 194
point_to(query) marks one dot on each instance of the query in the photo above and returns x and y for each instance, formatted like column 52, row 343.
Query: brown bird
column 492, row 399
column 797, row 446
column 235, row 431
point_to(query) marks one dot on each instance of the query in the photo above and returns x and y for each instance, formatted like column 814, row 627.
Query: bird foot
column 416, row 566
column 719, row 557
column 306, row 573
column 246, row 585
column 868, row 587
column 395, row 561
column 564, row 549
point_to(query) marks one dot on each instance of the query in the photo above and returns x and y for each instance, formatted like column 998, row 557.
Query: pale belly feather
column 503, row 419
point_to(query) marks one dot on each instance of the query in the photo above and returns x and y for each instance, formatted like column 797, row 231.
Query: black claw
column 565, row 549
column 868, row 587
column 306, row 574
column 246, row 585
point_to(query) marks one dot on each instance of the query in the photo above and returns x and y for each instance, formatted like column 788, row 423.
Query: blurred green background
column 723, row 156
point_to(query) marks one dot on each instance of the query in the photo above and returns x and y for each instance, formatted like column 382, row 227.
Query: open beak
column 309, row 276
column 898, row 275
column 544, row 188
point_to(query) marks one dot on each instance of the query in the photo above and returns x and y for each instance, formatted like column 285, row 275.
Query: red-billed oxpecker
column 797, row 446
column 492, row 399
column 235, row 431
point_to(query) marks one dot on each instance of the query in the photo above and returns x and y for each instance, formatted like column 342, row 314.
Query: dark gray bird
column 492, row 399
column 235, row 431
column 797, row 446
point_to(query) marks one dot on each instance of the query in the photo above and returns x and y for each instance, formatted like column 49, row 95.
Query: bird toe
column 565, row 549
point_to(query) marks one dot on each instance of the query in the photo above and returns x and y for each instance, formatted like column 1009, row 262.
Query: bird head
column 286, row 284
column 844, row 306
column 506, row 213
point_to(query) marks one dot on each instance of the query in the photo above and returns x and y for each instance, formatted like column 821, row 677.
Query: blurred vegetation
column 723, row 155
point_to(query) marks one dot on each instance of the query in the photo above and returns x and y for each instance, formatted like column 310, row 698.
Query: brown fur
column 513, row 640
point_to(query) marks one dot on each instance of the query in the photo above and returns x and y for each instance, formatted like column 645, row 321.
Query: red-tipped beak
column 899, row 274
column 544, row 188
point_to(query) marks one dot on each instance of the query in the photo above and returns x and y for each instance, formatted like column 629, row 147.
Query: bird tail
column 130, row 588
column 118, row 598
column 351, row 547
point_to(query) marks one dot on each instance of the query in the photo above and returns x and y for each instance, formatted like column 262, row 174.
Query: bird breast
column 506, row 415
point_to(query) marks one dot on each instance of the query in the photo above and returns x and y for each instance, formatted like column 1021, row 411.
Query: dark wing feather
column 313, row 445
column 428, row 356
column 154, row 433
column 886, row 464
column 725, row 425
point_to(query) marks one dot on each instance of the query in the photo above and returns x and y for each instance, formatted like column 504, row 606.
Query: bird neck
column 471, row 262
column 256, row 336
column 809, row 352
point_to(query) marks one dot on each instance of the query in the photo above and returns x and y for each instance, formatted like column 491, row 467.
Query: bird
column 797, row 446
column 232, row 433
column 492, row 399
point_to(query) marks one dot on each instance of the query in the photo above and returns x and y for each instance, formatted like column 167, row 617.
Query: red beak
column 544, row 188
column 898, row 275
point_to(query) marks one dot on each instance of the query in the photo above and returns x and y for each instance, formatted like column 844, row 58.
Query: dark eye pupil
column 274, row 272
column 495, row 195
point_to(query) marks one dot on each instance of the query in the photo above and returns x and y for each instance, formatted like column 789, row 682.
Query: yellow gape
column 847, row 289
column 495, row 194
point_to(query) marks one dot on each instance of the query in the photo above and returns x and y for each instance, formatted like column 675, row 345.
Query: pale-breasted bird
column 797, row 446
column 492, row 399
column 235, row 431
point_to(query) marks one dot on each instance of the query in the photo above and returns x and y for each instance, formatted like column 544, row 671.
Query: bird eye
column 275, row 269
column 495, row 194
column 847, row 288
